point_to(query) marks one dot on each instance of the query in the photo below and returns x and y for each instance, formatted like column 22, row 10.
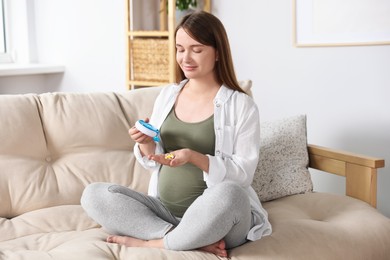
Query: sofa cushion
column 320, row 220
column 282, row 168
column 320, row 226
column 54, row 144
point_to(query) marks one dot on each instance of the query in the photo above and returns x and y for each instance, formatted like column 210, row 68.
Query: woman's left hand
column 173, row 159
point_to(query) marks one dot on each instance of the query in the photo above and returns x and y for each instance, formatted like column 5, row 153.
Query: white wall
column 343, row 90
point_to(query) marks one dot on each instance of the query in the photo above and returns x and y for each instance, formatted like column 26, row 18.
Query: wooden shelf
column 146, row 83
column 148, row 33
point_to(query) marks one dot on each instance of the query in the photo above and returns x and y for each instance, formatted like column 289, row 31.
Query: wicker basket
column 149, row 59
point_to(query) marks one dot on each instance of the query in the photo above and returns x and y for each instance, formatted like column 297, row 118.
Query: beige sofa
column 53, row 145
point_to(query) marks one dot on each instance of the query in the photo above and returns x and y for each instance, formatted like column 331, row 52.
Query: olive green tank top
column 180, row 186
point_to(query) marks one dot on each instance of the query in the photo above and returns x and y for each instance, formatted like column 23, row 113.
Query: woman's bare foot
column 135, row 242
column 218, row 248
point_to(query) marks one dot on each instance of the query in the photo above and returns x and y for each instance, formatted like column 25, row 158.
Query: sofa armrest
column 360, row 171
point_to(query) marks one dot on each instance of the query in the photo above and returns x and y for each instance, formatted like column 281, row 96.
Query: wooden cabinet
column 151, row 53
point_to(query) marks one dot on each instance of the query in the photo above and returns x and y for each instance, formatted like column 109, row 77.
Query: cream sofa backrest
column 53, row 145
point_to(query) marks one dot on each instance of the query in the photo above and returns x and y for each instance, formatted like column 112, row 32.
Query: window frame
column 5, row 54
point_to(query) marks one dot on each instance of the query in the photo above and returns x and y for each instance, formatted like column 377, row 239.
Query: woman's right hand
column 138, row 136
column 146, row 143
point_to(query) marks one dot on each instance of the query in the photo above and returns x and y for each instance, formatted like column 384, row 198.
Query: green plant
column 185, row 4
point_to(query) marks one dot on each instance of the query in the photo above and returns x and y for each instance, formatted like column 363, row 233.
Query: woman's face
column 195, row 59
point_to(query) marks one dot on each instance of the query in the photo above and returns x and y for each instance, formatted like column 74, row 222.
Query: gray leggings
column 221, row 212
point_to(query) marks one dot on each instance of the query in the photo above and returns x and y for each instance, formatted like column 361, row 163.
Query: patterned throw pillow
column 283, row 166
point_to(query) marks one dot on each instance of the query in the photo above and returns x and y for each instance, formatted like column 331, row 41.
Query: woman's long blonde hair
column 208, row 30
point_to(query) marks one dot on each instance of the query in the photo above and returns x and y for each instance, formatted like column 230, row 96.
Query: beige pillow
column 283, row 166
column 246, row 85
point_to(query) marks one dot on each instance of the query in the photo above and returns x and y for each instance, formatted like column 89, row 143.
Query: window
column 2, row 28
column 5, row 55
column 18, row 55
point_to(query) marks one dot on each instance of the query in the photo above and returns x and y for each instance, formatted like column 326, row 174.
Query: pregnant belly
column 180, row 186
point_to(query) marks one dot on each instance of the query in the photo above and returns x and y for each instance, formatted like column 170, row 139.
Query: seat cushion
column 321, row 226
column 305, row 226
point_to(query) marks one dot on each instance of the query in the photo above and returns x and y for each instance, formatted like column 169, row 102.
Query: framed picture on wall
column 341, row 22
